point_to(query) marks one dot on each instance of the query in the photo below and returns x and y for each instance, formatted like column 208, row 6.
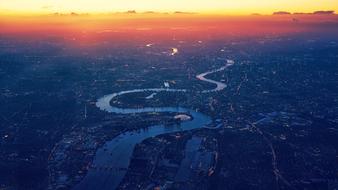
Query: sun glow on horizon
column 202, row 6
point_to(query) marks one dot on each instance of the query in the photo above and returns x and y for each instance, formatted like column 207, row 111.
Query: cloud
column 323, row 12
column 281, row 13
column 131, row 12
column 304, row 13
column 74, row 14
column 182, row 12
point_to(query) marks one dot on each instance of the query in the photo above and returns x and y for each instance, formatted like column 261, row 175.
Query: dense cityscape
column 115, row 111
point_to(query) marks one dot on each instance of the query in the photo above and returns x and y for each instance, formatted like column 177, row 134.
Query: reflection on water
column 112, row 160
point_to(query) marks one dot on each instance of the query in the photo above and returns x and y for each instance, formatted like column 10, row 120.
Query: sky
column 202, row 6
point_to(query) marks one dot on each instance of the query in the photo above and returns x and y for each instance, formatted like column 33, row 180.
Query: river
column 111, row 161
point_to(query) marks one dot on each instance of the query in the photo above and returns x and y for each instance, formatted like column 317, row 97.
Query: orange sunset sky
column 233, row 7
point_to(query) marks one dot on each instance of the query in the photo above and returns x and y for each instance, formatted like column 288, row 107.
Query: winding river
column 111, row 161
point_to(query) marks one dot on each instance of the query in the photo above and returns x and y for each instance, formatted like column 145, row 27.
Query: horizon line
column 178, row 12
